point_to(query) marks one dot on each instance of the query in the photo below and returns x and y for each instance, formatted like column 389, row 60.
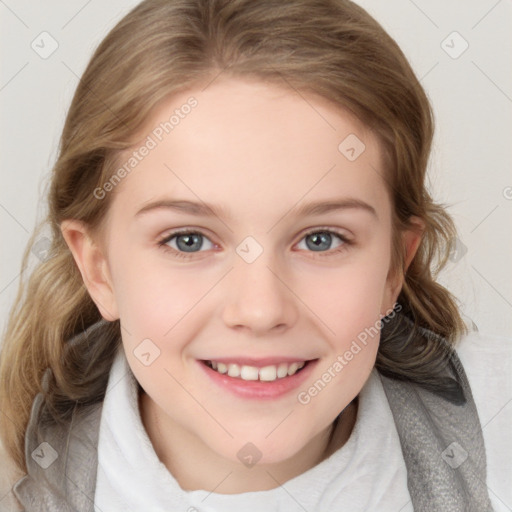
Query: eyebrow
column 208, row 210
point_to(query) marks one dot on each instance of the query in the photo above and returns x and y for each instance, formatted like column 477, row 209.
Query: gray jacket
column 441, row 441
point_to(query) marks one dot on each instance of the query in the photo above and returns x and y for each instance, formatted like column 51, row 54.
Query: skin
column 260, row 151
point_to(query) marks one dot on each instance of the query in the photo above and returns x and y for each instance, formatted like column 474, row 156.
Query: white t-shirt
column 368, row 473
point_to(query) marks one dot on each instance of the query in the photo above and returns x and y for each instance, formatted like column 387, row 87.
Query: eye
column 183, row 242
column 320, row 241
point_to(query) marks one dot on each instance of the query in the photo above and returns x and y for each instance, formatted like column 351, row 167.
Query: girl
column 239, row 306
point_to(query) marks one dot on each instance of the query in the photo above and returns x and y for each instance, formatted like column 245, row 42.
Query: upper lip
column 258, row 362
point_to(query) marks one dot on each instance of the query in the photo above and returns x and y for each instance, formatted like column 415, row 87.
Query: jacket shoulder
column 61, row 460
column 9, row 475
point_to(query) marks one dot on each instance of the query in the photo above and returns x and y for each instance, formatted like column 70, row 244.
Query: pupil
column 189, row 241
column 319, row 239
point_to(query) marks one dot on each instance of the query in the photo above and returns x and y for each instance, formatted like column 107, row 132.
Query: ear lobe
column 92, row 265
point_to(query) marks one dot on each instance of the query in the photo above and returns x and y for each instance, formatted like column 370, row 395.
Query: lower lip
column 256, row 389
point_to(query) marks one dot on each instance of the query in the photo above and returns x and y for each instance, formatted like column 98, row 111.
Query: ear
column 92, row 265
column 411, row 239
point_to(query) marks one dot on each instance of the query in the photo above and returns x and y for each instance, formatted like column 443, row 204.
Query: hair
column 330, row 48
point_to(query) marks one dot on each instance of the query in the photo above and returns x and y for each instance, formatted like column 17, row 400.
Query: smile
column 258, row 379
column 266, row 374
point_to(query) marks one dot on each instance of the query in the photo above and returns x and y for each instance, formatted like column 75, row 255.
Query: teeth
column 292, row 368
column 266, row 374
column 282, row 370
column 249, row 373
column 233, row 370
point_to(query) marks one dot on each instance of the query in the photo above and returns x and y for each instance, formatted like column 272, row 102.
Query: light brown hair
column 331, row 48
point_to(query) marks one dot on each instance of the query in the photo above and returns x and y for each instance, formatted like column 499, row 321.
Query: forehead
column 247, row 144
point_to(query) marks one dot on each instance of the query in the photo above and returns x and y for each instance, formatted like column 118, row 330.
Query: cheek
column 153, row 296
column 350, row 312
column 347, row 298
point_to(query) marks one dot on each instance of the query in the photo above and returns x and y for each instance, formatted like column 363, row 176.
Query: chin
column 262, row 450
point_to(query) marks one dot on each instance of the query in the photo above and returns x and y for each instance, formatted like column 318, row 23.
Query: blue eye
column 183, row 244
column 186, row 242
column 322, row 240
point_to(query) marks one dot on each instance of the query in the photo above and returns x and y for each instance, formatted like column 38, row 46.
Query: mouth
column 264, row 380
column 268, row 373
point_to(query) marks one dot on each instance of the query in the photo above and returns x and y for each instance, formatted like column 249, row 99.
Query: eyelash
column 322, row 254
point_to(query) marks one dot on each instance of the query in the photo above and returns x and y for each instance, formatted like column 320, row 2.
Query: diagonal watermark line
column 9, row 283
column 484, row 218
column 280, row 423
column 484, row 484
column 386, row 180
column 428, row 72
column 494, row 416
column 486, row 14
column 301, row 301
column 228, row 227
column 122, row 326
column 493, row 287
column 14, row 76
column 301, row 95
column 116, row 383
column 5, row 495
column 198, row 301
column 424, row 14
column 93, row 93
column 405, row 505
column 13, row 218
column 497, row 497
column 2, row 2
column 217, row 486
column 200, row 404
column 286, row 490
column 126, row 374
column 492, row 81
column 9, row 418
column 83, row 493
column 75, row 15
column 300, row 199
column 215, row 78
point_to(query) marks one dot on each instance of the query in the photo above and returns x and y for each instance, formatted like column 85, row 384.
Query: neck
column 195, row 466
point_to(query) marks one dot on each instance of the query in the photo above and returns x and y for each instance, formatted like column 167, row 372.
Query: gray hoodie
column 441, row 440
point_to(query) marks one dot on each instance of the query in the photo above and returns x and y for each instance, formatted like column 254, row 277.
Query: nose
column 259, row 298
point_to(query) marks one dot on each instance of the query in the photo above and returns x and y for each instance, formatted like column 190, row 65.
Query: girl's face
column 252, row 233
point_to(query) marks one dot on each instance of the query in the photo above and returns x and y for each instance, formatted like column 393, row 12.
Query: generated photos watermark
column 305, row 396
column 150, row 143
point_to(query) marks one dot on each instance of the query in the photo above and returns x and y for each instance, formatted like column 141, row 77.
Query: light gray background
column 471, row 94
